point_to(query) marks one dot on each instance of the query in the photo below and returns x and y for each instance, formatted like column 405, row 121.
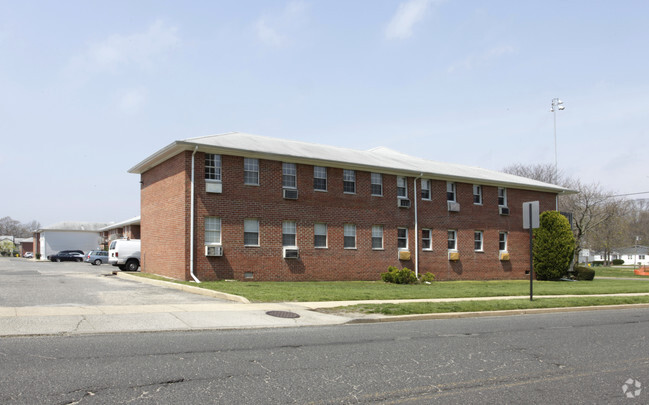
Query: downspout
column 191, row 225
column 414, row 182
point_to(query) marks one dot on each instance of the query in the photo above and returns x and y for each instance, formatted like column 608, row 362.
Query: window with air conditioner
column 450, row 191
column 289, row 234
column 402, row 188
column 212, row 231
column 502, row 197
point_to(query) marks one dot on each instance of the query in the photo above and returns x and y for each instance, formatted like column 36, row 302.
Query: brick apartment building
column 247, row 207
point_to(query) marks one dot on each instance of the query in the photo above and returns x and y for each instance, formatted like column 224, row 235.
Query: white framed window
column 402, row 238
column 502, row 241
column 251, row 232
column 376, row 182
column 502, row 197
column 425, row 189
column 477, row 194
column 450, row 191
column 630, row 257
column 377, row 237
column 349, row 181
column 289, row 175
column 212, row 167
column 289, row 233
column 212, row 231
column 251, row 171
column 319, row 178
column 640, row 257
column 320, row 235
column 426, row 239
column 478, row 241
column 402, row 187
column 452, row 239
column 349, row 239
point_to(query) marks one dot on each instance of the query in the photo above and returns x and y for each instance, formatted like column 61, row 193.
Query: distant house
column 129, row 229
column 630, row 255
column 69, row 235
column 25, row 245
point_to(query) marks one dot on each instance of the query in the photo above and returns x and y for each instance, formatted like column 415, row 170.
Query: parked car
column 125, row 253
column 68, row 256
column 97, row 257
column 28, row 255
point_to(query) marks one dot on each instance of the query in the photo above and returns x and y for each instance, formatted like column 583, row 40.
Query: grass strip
column 413, row 308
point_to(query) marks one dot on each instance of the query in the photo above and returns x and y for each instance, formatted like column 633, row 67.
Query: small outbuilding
column 69, row 235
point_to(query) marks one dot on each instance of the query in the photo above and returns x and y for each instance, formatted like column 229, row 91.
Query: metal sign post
column 531, row 221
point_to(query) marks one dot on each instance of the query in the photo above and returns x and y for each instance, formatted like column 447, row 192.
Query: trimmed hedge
column 554, row 246
column 584, row 273
column 617, row 262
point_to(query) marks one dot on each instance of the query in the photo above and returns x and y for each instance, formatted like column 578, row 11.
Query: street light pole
column 557, row 104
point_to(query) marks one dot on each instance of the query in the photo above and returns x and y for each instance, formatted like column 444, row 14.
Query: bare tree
column 540, row 172
column 9, row 226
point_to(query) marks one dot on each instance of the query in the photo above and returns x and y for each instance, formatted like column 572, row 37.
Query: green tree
column 6, row 247
column 554, row 246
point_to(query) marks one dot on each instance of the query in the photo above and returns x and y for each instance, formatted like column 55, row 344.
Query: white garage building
column 68, row 236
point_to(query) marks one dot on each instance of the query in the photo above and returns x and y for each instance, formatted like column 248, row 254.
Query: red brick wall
column 165, row 225
column 164, row 215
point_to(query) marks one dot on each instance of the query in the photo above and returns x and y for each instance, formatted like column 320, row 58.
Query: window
column 640, row 257
column 450, row 191
column 349, row 181
column 402, row 238
column 212, row 231
column 377, row 237
column 502, row 197
column 349, row 236
column 319, row 178
column 427, row 239
column 452, row 240
column 289, row 233
column 212, row 167
column 251, row 232
column 630, row 257
column 320, row 235
column 502, row 241
column 425, row 189
column 251, row 171
column 376, row 180
column 477, row 194
column 477, row 241
column 289, row 175
column 402, row 189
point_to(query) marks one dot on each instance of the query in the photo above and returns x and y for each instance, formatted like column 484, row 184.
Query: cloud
column 131, row 101
column 482, row 58
column 407, row 16
column 277, row 30
column 122, row 51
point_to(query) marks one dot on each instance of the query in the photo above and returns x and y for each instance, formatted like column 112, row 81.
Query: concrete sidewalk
column 236, row 314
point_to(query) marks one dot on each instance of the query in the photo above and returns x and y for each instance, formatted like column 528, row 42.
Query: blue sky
column 88, row 89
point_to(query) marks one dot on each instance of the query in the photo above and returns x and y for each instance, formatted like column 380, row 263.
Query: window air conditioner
column 504, row 256
column 290, row 194
column 503, row 210
column 453, row 256
column 404, row 203
column 454, row 206
column 213, row 250
column 291, row 253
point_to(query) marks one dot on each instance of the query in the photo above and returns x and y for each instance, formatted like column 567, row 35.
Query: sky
column 88, row 89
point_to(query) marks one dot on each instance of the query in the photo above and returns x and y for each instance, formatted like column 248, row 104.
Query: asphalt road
column 575, row 358
column 31, row 283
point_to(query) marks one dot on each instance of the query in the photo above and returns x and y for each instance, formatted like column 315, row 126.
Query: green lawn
column 377, row 290
column 474, row 306
column 616, row 272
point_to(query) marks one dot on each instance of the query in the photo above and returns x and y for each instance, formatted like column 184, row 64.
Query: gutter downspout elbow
column 191, row 224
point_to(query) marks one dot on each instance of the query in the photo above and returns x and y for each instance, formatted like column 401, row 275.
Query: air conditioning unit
column 404, row 203
column 291, row 253
column 404, row 255
column 504, row 256
column 453, row 256
column 503, row 210
column 212, row 187
column 290, row 194
column 453, row 206
column 213, row 250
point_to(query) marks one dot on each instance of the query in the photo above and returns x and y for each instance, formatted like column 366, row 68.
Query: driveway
column 26, row 283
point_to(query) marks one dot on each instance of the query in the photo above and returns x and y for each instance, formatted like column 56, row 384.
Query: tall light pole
column 557, row 104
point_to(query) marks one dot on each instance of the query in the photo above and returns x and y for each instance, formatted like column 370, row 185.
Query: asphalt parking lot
column 40, row 283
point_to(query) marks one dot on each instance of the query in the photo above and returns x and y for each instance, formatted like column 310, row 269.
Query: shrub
column 617, row 262
column 428, row 277
column 38, row 256
column 584, row 273
column 399, row 276
column 554, row 246
column 598, row 263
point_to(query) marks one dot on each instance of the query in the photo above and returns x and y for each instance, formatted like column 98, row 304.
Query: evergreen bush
column 617, row 262
column 554, row 246
column 399, row 276
column 584, row 273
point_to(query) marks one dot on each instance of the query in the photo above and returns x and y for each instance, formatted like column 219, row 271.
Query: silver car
column 97, row 257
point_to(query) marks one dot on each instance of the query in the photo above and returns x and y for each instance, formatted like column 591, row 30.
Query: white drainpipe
column 414, row 182
column 191, row 225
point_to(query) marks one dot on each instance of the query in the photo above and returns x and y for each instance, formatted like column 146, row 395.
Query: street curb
column 183, row 287
column 482, row 314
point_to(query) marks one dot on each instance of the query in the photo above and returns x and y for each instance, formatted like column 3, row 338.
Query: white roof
column 75, row 226
column 132, row 221
column 379, row 159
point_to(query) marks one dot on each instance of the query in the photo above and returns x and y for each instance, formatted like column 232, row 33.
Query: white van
column 125, row 253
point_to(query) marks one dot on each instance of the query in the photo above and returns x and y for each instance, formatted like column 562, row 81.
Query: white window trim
column 480, row 194
column 349, row 181
column 455, row 239
column 504, row 204
column 355, row 247
column 326, row 235
column 294, row 223
column 294, row 166
column 258, row 232
column 372, row 183
column 405, row 187
column 453, row 189
column 382, row 237
column 430, row 233
column 244, row 172
column 481, row 241
column 430, row 192
column 398, row 238
column 206, row 230
column 325, row 179
column 506, row 242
